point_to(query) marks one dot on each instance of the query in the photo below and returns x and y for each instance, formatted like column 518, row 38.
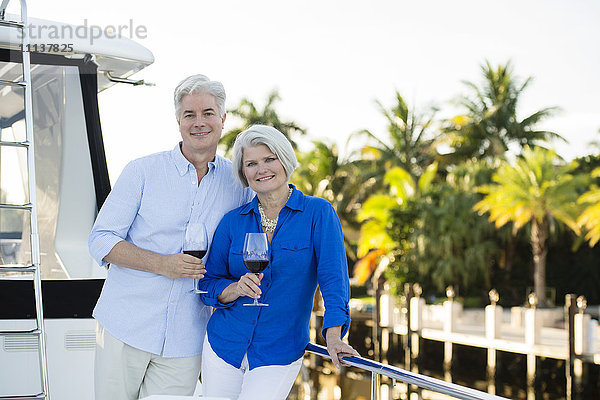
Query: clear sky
column 330, row 60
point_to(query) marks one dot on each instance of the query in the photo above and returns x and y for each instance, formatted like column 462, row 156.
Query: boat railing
column 411, row 378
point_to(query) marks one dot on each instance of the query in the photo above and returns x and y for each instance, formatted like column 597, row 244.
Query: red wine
column 195, row 253
column 256, row 266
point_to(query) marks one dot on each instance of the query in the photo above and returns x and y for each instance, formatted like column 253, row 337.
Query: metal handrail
column 411, row 378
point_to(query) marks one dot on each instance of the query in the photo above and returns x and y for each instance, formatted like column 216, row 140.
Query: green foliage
column 319, row 171
column 589, row 219
column 454, row 245
column 401, row 184
column 322, row 173
column 375, row 218
column 402, row 269
column 442, row 241
column 376, row 211
column 425, row 181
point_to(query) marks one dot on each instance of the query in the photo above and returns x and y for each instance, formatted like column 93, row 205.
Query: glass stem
column 256, row 300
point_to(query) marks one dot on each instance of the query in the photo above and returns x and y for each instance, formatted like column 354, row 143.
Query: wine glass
column 196, row 244
column 256, row 256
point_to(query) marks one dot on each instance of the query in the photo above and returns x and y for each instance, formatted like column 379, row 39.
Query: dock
column 567, row 333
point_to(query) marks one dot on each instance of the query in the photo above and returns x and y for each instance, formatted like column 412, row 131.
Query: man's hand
column 337, row 348
column 174, row 266
column 182, row 266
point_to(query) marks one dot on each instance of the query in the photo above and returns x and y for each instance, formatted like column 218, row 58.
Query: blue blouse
column 307, row 249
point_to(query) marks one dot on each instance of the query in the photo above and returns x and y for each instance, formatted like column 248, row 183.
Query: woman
column 256, row 352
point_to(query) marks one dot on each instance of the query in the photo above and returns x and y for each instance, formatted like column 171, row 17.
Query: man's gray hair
column 270, row 137
column 199, row 84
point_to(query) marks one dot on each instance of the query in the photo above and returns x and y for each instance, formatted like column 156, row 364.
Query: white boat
column 71, row 181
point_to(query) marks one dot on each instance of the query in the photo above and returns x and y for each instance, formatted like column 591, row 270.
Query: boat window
column 13, row 164
column 66, row 200
column 10, row 71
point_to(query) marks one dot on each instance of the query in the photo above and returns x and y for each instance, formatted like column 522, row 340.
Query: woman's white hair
column 199, row 84
column 270, row 137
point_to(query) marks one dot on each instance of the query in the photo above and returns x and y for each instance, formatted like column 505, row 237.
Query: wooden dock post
column 533, row 335
column 408, row 294
column 493, row 325
column 533, row 322
column 415, row 324
column 581, row 333
column 451, row 311
column 570, row 309
column 387, row 304
column 417, row 304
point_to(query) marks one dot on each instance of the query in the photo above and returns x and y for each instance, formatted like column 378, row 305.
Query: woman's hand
column 336, row 347
column 248, row 285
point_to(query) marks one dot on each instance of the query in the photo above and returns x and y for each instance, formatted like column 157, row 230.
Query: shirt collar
column 183, row 165
column 295, row 202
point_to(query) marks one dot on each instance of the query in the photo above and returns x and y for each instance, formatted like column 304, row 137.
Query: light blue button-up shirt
column 150, row 206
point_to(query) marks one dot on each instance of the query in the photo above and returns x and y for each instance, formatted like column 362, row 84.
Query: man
column 150, row 323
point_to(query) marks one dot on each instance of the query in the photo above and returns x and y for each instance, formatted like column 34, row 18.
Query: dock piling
column 493, row 330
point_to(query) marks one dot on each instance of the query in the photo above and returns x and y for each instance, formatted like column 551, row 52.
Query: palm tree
column 323, row 173
column 535, row 190
column 490, row 124
column 410, row 144
column 250, row 115
column 403, row 166
column 590, row 217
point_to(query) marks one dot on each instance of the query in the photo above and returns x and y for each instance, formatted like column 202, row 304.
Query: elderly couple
column 154, row 334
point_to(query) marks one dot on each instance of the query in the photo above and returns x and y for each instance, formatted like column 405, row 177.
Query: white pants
column 122, row 372
column 220, row 379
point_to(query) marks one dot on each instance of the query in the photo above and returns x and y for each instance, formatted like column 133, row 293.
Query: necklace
column 269, row 224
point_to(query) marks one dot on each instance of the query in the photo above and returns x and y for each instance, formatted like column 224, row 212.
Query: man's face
column 200, row 123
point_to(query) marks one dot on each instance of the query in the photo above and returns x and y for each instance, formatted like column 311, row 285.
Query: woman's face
column 263, row 170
